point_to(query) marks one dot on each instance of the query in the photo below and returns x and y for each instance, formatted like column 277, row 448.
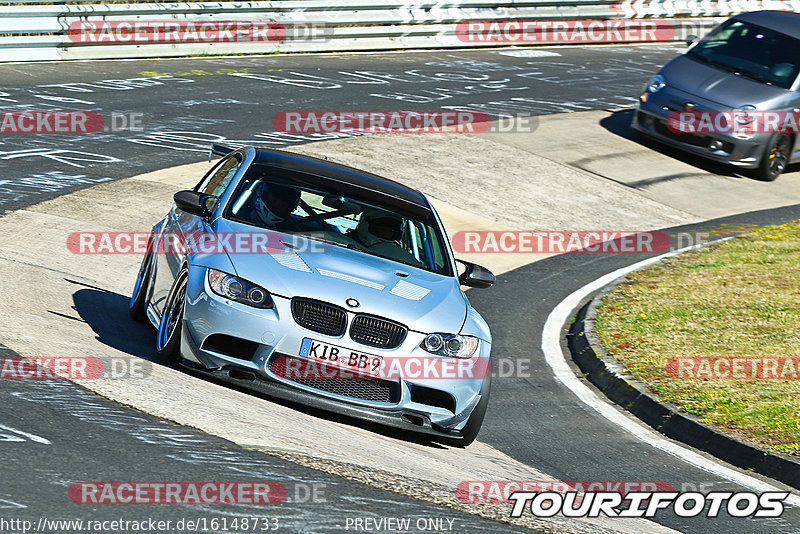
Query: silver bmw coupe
column 322, row 285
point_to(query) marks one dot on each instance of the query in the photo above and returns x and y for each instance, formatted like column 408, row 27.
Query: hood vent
column 409, row 291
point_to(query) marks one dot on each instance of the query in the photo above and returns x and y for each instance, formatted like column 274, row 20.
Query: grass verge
column 739, row 302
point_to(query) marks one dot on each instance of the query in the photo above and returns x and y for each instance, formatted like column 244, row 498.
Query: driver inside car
column 380, row 232
column 273, row 205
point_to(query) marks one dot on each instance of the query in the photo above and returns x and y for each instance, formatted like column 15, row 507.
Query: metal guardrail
column 34, row 30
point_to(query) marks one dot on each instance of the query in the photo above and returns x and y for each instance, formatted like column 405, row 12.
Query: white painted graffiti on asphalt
column 363, row 77
column 14, row 189
column 200, row 141
column 74, row 158
column 127, row 84
column 5, row 503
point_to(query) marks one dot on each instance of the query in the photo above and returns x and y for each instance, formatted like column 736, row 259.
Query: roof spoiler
column 219, row 150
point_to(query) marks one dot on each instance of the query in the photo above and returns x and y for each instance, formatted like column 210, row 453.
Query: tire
column 170, row 327
column 775, row 158
column 475, row 421
column 138, row 302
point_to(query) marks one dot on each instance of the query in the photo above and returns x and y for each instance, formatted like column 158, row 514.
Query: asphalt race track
column 185, row 105
column 91, row 435
column 535, row 420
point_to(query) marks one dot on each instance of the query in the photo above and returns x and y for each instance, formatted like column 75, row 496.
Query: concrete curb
column 605, row 372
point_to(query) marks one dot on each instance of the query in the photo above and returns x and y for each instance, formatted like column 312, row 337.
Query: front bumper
column 651, row 118
column 275, row 334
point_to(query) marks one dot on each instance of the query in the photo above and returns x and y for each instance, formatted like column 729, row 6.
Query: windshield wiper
column 712, row 62
column 698, row 56
column 753, row 76
column 730, row 68
column 351, row 246
column 323, row 240
column 721, row 65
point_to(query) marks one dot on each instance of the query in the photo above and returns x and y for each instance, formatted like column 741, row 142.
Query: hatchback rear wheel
column 775, row 158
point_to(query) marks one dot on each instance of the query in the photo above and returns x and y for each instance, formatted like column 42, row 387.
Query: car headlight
column 655, row 84
column 450, row 345
column 235, row 288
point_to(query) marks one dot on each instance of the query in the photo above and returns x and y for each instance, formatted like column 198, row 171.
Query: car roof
column 334, row 172
column 787, row 22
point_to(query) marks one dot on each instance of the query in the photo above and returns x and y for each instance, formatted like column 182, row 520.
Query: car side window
column 217, row 181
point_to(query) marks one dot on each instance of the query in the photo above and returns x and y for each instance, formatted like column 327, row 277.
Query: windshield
column 751, row 51
column 295, row 203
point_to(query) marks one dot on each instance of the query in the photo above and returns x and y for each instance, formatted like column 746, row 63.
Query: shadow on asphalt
column 619, row 123
column 106, row 313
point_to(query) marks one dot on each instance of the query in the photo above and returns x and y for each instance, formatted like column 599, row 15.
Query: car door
column 179, row 223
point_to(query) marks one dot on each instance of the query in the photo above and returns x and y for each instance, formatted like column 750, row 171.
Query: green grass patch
column 739, row 299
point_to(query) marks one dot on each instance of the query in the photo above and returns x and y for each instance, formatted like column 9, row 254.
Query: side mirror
column 194, row 202
column 475, row 276
column 690, row 39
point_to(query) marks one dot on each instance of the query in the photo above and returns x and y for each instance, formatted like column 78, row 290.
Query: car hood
column 715, row 85
column 423, row 301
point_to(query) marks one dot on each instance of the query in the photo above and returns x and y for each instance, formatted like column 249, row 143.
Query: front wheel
column 775, row 158
column 475, row 421
column 170, row 328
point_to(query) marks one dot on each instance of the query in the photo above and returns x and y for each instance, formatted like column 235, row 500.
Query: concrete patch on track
column 61, row 304
column 488, row 176
column 602, row 143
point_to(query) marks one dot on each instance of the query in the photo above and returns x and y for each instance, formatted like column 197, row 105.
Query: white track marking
column 551, row 346
column 32, row 437
column 529, row 53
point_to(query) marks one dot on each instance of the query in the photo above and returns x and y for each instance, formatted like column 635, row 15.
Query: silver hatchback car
column 745, row 68
column 323, row 285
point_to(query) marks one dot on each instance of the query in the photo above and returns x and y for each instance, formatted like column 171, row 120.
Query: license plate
column 348, row 359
